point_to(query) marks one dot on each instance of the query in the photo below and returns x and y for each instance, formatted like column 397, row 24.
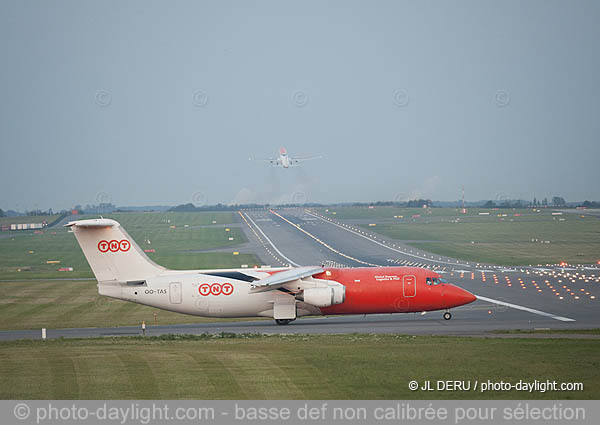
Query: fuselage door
column 409, row 286
column 175, row 292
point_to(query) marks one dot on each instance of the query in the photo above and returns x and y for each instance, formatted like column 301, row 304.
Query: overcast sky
column 146, row 102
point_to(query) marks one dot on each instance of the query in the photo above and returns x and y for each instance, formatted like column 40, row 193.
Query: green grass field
column 25, row 255
column 267, row 367
column 75, row 304
column 290, row 367
column 29, row 299
column 506, row 240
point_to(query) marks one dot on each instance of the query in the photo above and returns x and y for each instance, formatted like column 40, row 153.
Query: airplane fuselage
column 367, row 290
column 123, row 271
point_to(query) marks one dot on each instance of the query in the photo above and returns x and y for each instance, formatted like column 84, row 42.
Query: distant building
column 25, row 226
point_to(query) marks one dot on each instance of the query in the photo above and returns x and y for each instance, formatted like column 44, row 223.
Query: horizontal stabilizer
column 96, row 222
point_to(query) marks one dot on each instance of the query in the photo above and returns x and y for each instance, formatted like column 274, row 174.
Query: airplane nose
column 456, row 296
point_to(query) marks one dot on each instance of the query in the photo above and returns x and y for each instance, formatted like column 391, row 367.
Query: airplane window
column 442, row 280
column 438, row 280
column 428, row 281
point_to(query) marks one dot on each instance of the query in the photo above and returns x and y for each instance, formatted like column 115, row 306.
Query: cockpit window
column 428, row 281
column 435, row 280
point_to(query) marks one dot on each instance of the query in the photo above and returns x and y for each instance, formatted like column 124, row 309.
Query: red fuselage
column 393, row 290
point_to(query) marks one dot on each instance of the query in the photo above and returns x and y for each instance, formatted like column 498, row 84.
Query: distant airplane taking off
column 286, row 161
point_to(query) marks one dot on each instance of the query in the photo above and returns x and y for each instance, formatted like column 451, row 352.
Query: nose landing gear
column 447, row 315
column 283, row 321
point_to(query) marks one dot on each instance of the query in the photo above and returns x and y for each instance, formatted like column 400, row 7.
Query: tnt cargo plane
column 123, row 271
column 286, row 161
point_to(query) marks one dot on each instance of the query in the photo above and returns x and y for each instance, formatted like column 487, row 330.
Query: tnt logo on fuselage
column 215, row 289
column 114, row 246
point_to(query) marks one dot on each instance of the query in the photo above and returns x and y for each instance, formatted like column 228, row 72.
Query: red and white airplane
column 286, row 161
column 123, row 271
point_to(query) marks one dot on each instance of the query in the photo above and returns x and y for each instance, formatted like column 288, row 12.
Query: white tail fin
column 112, row 254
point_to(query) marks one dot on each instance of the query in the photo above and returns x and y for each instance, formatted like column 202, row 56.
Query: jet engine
column 324, row 297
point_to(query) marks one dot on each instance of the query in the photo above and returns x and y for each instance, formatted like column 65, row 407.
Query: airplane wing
column 273, row 161
column 277, row 280
column 304, row 158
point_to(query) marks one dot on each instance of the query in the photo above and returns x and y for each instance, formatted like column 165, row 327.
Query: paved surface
column 568, row 292
column 462, row 324
column 302, row 237
column 588, row 211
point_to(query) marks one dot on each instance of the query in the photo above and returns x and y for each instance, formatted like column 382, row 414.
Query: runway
column 532, row 297
column 311, row 239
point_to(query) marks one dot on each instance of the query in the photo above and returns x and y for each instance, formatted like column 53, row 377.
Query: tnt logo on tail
column 114, row 246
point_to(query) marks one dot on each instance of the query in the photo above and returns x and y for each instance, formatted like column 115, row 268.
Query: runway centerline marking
column 272, row 244
column 530, row 310
column 329, row 247
column 384, row 245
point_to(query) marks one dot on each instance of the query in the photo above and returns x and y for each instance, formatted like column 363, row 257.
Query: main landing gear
column 447, row 315
column 283, row 321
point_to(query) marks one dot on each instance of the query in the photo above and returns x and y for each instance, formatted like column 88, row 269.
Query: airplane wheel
column 283, row 321
column 447, row 315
